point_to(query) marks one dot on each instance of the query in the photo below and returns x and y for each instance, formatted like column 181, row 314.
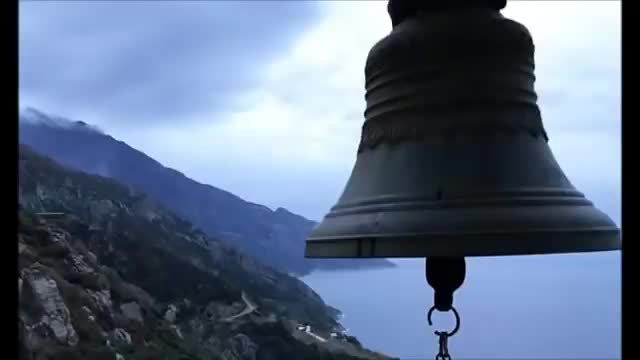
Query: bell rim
column 467, row 244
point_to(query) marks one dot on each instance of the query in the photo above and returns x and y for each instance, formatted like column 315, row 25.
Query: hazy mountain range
column 274, row 237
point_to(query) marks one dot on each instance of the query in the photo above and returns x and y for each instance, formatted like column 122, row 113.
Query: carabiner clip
column 443, row 351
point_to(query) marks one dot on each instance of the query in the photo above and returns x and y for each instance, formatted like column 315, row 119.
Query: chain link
column 443, row 336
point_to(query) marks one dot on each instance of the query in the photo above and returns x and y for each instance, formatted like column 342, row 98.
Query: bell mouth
column 511, row 223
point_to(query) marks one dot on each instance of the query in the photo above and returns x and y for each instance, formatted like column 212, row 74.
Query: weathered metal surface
column 454, row 159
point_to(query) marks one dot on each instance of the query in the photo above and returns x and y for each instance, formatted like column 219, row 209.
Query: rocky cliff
column 105, row 273
column 276, row 238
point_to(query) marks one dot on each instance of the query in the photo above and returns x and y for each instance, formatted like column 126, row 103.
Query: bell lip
column 471, row 244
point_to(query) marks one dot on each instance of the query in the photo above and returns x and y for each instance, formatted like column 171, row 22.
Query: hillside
column 275, row 237
column 105, row 273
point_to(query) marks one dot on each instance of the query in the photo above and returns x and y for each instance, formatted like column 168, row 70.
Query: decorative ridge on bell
column 432, row 76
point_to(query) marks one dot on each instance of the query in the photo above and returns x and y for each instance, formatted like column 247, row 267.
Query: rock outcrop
column 106, row 282
column 240, row 348
column 131, row 311
column 170, row 314
column 55, row 314
column 120, row 337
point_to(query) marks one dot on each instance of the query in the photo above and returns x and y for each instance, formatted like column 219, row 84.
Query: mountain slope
column 105, row 272
column 274, row 237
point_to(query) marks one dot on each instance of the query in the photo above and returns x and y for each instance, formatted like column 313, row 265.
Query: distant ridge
column 274, row 237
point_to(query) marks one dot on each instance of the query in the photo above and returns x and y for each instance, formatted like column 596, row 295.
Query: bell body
column 454, row 159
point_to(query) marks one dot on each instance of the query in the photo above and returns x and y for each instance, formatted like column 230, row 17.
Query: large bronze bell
column 453, row 159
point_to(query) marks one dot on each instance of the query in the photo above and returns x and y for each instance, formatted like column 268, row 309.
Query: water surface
column 523, row 307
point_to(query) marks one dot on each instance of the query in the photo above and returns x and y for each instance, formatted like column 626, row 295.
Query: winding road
column 317, row 337
column 251, row 307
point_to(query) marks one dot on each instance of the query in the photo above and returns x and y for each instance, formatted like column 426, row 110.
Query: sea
column 513, row 307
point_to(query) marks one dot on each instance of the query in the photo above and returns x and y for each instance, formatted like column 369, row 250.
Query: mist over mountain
column 274, row 237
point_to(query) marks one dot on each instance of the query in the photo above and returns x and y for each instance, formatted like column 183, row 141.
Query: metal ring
column 455, row 329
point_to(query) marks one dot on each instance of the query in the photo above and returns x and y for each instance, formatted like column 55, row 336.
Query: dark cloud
column 152, row 60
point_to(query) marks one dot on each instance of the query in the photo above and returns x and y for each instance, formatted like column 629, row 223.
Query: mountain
column 105, row 273
column 274, row 237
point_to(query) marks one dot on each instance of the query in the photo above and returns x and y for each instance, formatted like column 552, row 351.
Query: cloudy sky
column 266, row 99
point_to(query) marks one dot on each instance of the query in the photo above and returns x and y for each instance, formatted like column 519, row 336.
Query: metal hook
column 443, row 352
column 455, row 329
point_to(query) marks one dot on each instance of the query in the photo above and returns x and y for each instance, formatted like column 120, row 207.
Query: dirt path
column 251, row 307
